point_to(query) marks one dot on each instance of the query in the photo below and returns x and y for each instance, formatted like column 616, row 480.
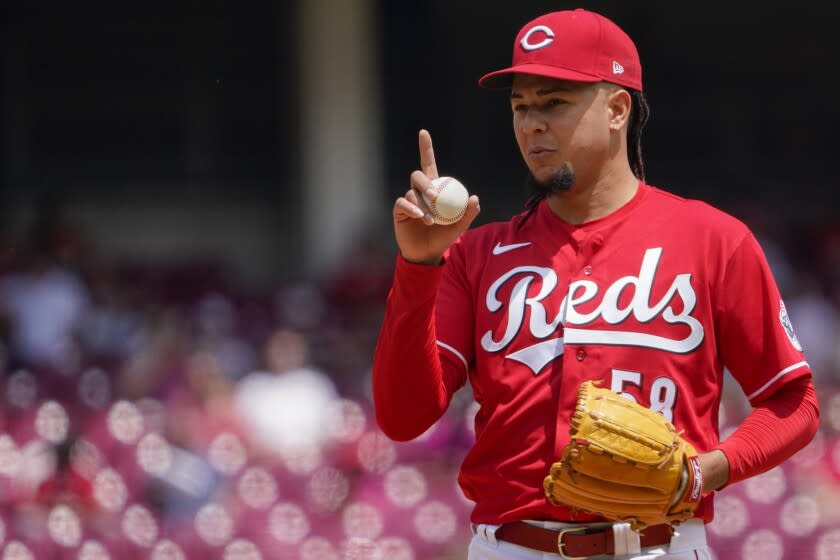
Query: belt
column 576, row 542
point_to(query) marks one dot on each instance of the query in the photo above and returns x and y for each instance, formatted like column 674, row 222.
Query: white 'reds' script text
column 580, row 292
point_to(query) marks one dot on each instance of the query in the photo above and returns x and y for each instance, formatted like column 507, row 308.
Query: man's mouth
column 539, row 152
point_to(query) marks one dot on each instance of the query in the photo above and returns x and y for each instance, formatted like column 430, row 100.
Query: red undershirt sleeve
column 412, row 383
column 776, row 428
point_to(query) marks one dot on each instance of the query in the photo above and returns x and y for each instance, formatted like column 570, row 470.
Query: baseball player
column 603, row 277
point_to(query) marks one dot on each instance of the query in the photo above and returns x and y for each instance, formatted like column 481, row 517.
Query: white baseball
column 451, row 202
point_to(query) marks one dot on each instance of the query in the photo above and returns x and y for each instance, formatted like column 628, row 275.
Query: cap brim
column 503, row 79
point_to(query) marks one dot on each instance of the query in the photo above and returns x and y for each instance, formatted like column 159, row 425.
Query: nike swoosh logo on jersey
column 500, row 249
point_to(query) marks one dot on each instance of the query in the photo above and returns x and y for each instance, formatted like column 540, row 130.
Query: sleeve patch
column 784, row 319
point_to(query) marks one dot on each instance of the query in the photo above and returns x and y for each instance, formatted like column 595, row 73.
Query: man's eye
column 519, row 108
column 555, row 102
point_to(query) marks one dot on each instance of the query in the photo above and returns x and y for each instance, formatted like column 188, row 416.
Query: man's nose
column 533, row 121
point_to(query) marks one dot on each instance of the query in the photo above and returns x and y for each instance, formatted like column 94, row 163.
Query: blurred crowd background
column 195, row 251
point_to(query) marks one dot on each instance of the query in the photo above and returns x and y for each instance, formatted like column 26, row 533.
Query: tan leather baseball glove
column 625, row 462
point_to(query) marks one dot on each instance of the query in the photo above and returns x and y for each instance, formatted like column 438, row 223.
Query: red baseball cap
column 576, row 45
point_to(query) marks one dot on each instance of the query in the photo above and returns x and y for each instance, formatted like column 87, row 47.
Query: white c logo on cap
column 526, row 40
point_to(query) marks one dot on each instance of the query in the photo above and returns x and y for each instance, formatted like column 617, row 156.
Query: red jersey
column 653, row 300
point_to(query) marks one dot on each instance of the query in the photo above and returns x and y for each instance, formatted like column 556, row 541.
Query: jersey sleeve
column 755, row 335
column 454, row 310
column 413, row 379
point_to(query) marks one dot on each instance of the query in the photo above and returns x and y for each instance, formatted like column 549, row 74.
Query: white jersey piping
column 775, row 377
column 460, row 356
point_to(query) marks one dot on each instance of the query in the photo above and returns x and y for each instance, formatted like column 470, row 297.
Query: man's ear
column 618, row 107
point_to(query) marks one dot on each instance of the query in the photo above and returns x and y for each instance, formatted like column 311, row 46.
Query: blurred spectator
column 817, row 324
column 216, row 323
column 66, row 485
column 283, row 406
column 44, row 303
column 301, row 306
column 202, row 406
column 157, row 362
column 112, row 328
column 361, row 279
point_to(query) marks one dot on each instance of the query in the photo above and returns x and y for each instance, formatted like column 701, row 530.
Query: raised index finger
column 427, row 155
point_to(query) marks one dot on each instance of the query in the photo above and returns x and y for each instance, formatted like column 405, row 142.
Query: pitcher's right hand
column 421, row 240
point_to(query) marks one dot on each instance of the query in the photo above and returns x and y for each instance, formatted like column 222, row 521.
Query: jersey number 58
column 663, row 391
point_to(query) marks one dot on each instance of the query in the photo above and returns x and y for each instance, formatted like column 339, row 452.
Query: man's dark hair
column 639, row 113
